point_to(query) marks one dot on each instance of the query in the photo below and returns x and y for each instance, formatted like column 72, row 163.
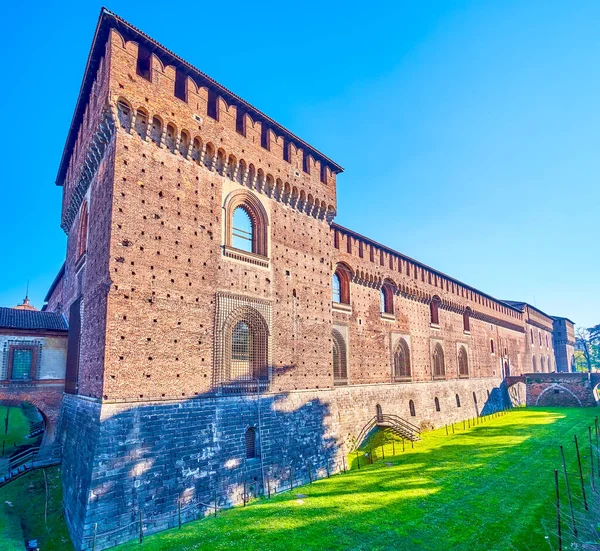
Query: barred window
column 463, row 362
column 437, row 404
column 21, row 362
column 250, row 439
column 242, row 230
column 411, row 407
column 340, row 370
column 439, row 368
column 402, row 361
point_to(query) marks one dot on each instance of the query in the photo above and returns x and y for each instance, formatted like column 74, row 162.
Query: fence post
column 446, row 427
column 558, row 510
column 562, row 453
column 358, row 459
column 580, row 473
column 463, row 424
column 244, row 492
column 216, row 506
column 141, row 529
column 402, row 444
column 592, row 460
column 291, row 478
column 309, row 474
column 382, row 452
column 394, row 447
column 452, row 428
column 344, row 462
column 94, row 539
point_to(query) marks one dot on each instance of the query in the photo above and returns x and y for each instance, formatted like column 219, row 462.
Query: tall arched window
column 437, row 404
column 467, row 319
column 336, row 288
column 492, row 346
column 439, row 368
column 379, row 413
column 434, row 307
column 387, row 299
column 542, row 364
column 250, row 441
column 531, row 333
column 463, row 362
column 540, row 337
column 411, row 408
column 534, row 362
column 341, row 285
column 242, row 232
column 83, row 231
column 401, row 361
column 457, row 401
column 340, row 369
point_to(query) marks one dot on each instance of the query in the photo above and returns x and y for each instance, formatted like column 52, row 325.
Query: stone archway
column 557, row 395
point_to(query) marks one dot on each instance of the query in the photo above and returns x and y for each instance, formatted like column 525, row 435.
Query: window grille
column 340, row 369
column 250, row 443
column 242, row 236
column 463, row 362
column 402, row 361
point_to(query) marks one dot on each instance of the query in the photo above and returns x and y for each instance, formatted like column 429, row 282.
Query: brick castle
column 224, row 331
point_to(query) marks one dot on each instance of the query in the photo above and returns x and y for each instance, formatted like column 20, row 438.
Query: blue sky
column 469, row 131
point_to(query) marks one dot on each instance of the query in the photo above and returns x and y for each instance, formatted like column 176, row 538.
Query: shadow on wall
column 151, row 463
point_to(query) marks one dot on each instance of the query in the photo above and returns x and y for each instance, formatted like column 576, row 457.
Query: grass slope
column 22, row 512
column 18, row 429
column 487, row 488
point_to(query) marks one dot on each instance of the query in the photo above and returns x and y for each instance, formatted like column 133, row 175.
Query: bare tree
column 585, row 340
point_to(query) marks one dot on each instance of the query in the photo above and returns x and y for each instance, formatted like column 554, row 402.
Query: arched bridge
column 558, row 389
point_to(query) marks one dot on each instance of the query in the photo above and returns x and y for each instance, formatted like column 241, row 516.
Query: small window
column 124, row 113
column 531, row 332
column 144, row 63
column 434, row 307
column 323, row 173
column 457, row 401
column 250, row 440
column 83, row 231
column 265, row 137
column 286, row 150
column 141, row 124
column 156, row 131
column 411, row 407
column 242, row 230
column 437, row 404
column 305, row 162
column 180, row 85
column 492, row 346
column 21, row 363
column 336, row 288
column 171, row 138
column 540, row 337
column 467, row 319
column 240, row 121
column 212, row 106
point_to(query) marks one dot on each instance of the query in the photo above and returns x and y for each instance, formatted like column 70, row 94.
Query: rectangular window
column 21, row 362
column 323, row 173
column 212, row 107
column 240, row 121
column 305, row 162
column 349, row 244
column 180, row 85
column 265, row 137
column 144, row 63
column 336, row 239
column 286, row 150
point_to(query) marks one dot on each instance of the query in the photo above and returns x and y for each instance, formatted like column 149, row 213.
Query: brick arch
column 46, row 400
column 550, row 402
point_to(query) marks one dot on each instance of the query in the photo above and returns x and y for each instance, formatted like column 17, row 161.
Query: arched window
column 378, row 413
column 196, row 150
column 83, row 231
column 492, row 346
column 540, row 337
column 457, row 401
column 156, row 130
column 439, row 368
column 340, row 370
column 434, row 307
column 547, row 345
column 534, row 362
column 246, row 227
column 250, row 441
column 549, row 364
column 209, row 155
column 184, row 144
column 467, row 319
column 531, row 333
column 242, row 233
column 402, row 361
column 141, row 124
column 124, row 113
column 171, row 138
column 542, row 364
column 341, row 285
column 387, row 299
column 437, row 404
column 336, row 288
column 411, row 407
column 463, row 362
column 506, row 369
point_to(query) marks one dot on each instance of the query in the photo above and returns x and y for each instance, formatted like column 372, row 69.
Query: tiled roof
column 11, row 318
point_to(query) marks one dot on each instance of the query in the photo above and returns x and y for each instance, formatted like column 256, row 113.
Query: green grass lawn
column 23, row 513
column 18, row 429
column 487, row 488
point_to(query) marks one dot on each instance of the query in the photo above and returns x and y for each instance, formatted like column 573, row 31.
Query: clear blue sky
column 469, row 131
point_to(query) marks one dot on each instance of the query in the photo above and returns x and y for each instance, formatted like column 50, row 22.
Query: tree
column 587, row 347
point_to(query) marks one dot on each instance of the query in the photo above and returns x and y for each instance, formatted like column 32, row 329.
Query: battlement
column 150, row 79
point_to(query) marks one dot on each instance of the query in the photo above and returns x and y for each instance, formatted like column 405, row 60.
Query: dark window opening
column 305, row 162
column 144, row 63
column 323, row 173
column 250, row 440
column 457, row 401
column 240, row 121
column 180, row 85
column 340, row 370
column 411, row 407
column 265, row 137
column 437, row 404
column 286, row 150
column 434, row 310
column 212, row 107
column 467, row 319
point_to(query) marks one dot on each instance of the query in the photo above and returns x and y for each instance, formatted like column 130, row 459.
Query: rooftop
column 32, row 320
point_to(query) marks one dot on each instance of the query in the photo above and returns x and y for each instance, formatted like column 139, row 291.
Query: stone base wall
column 126, row 459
